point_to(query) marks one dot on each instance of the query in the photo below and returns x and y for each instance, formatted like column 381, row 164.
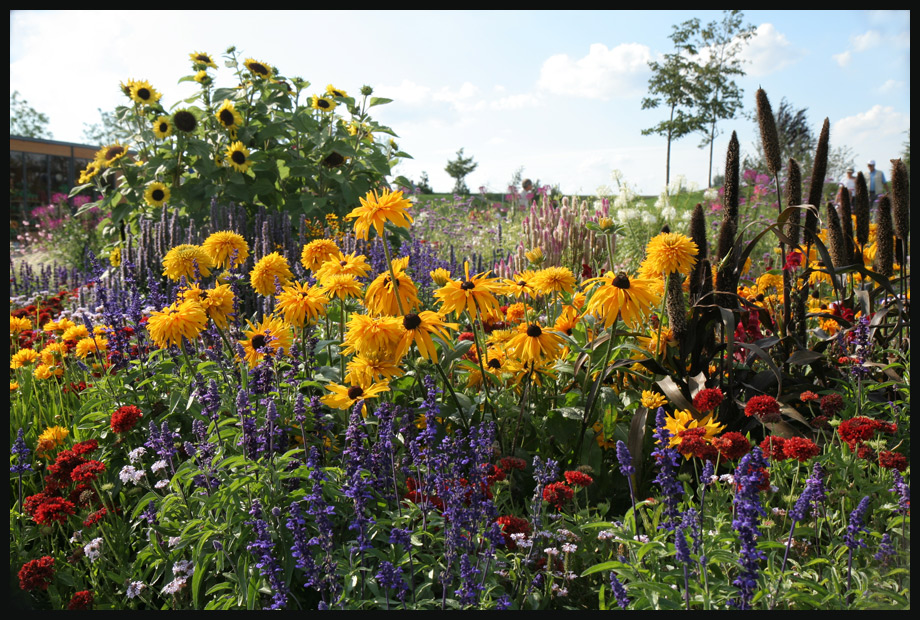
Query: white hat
column 871, row 162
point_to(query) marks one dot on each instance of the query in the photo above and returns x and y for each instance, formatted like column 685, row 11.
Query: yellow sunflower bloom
column 341, row 286
column 226, row 248
column 259, row 69
column 183, row 260
column 419, row 328
column 162, row 127
column 683, row 420
column 54, row 353
column 653, row 400
column 216, row 302
column 302, row 304
column 353, row 264
column 317, row 252
column 273, row 333
column 108, row 155
column 185, row 319
column 554, row 280
column 377, row 209
column 372, row 334
column 19, row 324
column 156, row 195
column 474, row 292
column 75, row 333
column 228, row 116
column 23, row 357
column 380, row 297
column 364, row 370
column 323, row 104
column 143, row 93
column 202, row 59
column 670, row 252
column 521, row 284
column 332, row 91
column 270, row 273
column 88, row 346
column 533, row 343
column 237, row 157
column 618, row 296
column 343, row 397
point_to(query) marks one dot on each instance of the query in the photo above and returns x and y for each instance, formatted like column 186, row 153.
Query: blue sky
column 557, row 93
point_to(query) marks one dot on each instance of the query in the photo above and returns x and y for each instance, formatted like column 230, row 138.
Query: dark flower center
column 202, row 58
column 411, row 321
column 143, row 93
column 258, row 341
column 238, row 157
column 185, row 120
column 522, row 283
column 322, row 103
column 333, row 160
column 226, row 117
column 164, row 127
column 494, row 364
column 621, row 281
column 343, row 263
column 354, row 392
column 467, row 285
column 534, row 331
column 158, row 194
column 259, row 68
column 114, row 152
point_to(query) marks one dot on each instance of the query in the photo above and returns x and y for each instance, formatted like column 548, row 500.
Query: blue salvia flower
column 851, row 538
column 903, row 490
column 21, row 452
column 619, row 591
column 750, row 477
column 668, row 460
column 262, row 548
column 885, row 549
column 390, row 577
column 625, row 459
column 300, row 550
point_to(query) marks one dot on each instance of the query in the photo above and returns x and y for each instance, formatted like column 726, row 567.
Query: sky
column 554, row 93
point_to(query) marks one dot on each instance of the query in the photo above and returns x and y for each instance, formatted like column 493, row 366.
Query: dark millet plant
column 698, row 234
column 726, row 279
column 846, row 225
column 861, row 209
column 900, row 211
column 884, row 238
column 676, row 306
column 816, row 188
column 835, row 243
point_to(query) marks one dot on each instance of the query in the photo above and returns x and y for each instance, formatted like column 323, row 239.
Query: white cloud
column 865, row 41
column 891, row 86
column 602, row 74
column 768, row 51
column 843, row 58
column 876, row 123
column 515, row 102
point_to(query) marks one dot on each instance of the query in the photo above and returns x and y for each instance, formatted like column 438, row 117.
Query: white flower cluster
column 93, row 549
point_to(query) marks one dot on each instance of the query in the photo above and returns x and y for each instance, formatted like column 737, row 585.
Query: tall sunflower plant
column 263, row 140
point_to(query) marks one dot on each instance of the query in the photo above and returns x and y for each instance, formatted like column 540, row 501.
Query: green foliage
column 458, row 169
column 25, row 120
column 263, row 140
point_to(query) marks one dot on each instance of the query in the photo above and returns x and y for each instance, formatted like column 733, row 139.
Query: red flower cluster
column 81, row 600
column 509, row 463
column 708, row 399
column 693, row 443
column 764, row 407
column 831, row 405
column 578, row 479
column 493, row 474
column 800, row 449
column 732, row 445
column 557, row 494
column 88, row 471
column 85, row 447
column 772, row 448
column 46, row 508
column 513, row 525
column 859, row 429
column 892, row 460
column 807, row 396
column 125, row 418
column 37, row 574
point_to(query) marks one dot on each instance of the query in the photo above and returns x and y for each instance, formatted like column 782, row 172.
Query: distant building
column 39, row 169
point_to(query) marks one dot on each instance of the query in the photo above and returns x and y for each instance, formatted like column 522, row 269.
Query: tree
column 25, row 120
column 424, row 185
column 458, row 169
column 109, row 130
column 720, row 45
column 673, row 85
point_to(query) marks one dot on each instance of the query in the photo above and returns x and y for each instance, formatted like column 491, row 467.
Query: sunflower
column 376, row 210
column 202, row 77
column 257, row 68
column 372, row 334
column 300, row 304
column 567, row 320
column 89, row 173
column 186, row 260
column 272, row 332
column 440, row 276
column 353, row 264
column 618, row 296
column 54, row 353
column 200, row 59
column 143, row 93
column 237, row 156
column 270, row 273
column 365, row 369
column 341, row 285
column 343, row 397
column 332, row 91
column 157, row 194
column 532, row 343
column 23, row 357
column 216, row 302
column 653, row 400
column 418, row 329
column 183, row 120
column 554, row 280
column 75, row 333
column 496, row 364
column 162, row 127
column 469, row 294
column 226, row 249
column 317, row 252
column 684, row 420
column 323, row 104
column 182, row 319
column 108, row 155
column 88, row 346
column 228, row 116
column 670, row 252
column 19, row 324
column 381, row 298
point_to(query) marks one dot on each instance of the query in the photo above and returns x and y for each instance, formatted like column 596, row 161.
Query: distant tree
column 720, row 44
column 839, row 158
column 673, row 84
column 108, row 130
column 796, row 138
column 424, row 185
column 458, row 169
column 25, row 120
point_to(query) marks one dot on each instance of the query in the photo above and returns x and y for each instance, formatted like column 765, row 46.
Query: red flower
column 892, row 460
column 866, row 453
column 732, row 445
column 693, row 443
column 793, row 260
column 831, row 405
column 558, row 494
column 81, row 600
column 708, row 399
column 772, row 448
column 63, row 465
column 578, row 479
column 800, row 449
column 88, row 471
column 37, row 574
column 807, row 396
column 125, row 417
column 513, row 525
column 859, row 429
column 85, row 447
column 764, row 407
column 52, row 509
column 95, row 517
column 493, row 474
column 512, row 462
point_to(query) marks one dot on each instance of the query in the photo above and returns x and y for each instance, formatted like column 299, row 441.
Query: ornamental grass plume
column 816, row 187
column 698, row 235
column 835, row 243
column 793, row 195
column 900, row 199
column 861, row 210
column 768, row 134
column 732, row 184
column 846, row 225
column 884, row 238
column 676, row 306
